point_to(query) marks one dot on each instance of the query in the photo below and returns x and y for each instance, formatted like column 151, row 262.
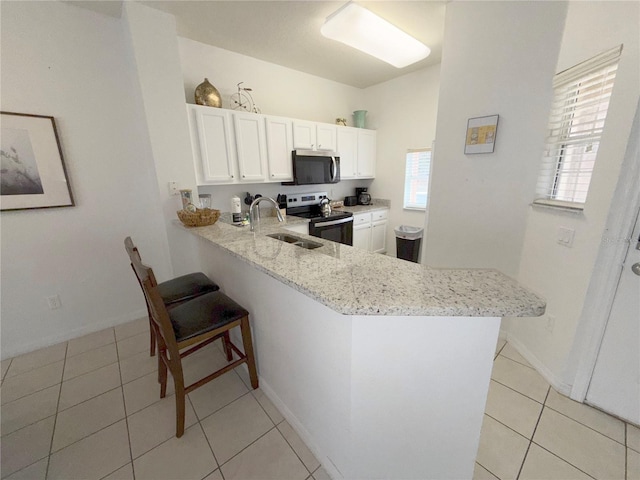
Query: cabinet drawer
column 380, row 215
column 361, row 219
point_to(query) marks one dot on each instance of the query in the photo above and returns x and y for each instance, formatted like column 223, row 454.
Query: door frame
column 616, row 240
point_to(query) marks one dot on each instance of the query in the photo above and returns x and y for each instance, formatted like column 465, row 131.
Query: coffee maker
column 363, row 197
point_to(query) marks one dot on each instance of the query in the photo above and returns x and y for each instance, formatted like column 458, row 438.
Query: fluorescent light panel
column 362, row 29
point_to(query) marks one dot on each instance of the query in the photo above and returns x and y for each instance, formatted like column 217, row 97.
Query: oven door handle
column 334, row 168
column 333, row 222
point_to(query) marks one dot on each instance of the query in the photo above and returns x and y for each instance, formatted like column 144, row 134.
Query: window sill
column 566, row 207
column 415, row 209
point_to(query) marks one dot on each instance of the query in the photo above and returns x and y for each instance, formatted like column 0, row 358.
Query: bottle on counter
column 236, row 209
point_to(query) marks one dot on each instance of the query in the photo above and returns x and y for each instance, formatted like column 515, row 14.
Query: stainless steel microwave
column 312, row 167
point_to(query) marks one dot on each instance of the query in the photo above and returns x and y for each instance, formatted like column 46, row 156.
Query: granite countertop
column 376, row 204
column 353, row 281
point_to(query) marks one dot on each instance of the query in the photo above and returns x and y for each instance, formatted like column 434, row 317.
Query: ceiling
column 287, row 32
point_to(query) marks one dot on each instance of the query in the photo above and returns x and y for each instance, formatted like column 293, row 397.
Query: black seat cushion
column 186, row 287
column 203, row 314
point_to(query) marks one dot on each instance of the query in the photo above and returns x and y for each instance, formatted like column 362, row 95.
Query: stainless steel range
column 337, row 226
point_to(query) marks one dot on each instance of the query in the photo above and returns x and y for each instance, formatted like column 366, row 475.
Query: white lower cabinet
column 362, row 236
column 370, row 231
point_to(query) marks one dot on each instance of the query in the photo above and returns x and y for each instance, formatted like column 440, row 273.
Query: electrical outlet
column 173, row 188
column 54, row 302
column 551, row 323
column 565, row 236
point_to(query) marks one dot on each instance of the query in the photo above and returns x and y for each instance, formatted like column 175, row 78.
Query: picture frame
column 481, row 134
column 33, row 170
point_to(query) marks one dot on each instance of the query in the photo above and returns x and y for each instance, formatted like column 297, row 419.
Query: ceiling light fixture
column 362, row 29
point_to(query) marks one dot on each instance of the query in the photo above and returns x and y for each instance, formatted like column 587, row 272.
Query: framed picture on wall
column 33, row 170
column 481, row 134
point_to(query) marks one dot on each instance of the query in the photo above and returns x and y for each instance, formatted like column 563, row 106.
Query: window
column 578, row 113
column 416, row 178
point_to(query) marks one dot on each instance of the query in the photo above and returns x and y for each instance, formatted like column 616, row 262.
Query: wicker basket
column 201, row 218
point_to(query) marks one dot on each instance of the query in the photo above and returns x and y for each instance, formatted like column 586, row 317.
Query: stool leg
column 162, row 372
column 180, row 406
column 248, row 351
column 152, row 335
column 227, row 348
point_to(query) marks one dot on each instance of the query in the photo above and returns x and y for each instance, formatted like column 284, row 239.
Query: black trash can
column 408, row 240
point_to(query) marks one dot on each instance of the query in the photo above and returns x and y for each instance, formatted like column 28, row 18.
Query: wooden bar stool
column 195, row 323
column 174, row 291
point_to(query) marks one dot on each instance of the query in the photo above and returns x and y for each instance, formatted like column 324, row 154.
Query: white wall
column 498, row 58
column 562, row 274
column 403, row 111
column 276, row 90
column 70, row 63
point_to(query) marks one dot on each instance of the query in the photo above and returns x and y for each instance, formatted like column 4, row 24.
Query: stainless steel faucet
column 254, row 218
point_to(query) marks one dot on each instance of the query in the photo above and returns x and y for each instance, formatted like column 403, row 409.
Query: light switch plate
column 565, row 236
column 173, row 188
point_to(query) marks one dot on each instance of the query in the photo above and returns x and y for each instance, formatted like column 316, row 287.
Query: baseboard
column 541, row 368
column 11, row 351
column 324, row 460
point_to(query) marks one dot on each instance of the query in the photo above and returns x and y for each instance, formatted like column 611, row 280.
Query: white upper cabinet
column 241, row 147
column 216, row 146
column 366, row 153
column 314, row 136
column 304, row 135
column 251, row 146
column 326, row 137
column 347, row 147
column 279, row 132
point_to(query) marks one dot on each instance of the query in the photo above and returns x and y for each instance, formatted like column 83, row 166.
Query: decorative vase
column 207, row 94
column 359, row 118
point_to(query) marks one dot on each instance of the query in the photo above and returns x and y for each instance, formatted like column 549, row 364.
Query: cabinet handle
column 243, row 176
column 319, row 145
column 273, row 175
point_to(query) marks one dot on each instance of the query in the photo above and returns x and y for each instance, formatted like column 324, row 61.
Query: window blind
column 576, row 122
column 416, row 179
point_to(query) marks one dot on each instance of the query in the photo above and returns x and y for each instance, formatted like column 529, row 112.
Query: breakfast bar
column 381, row 365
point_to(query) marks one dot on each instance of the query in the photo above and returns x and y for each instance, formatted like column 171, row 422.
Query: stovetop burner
column 307, row 205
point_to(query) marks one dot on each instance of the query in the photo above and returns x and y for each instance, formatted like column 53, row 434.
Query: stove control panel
column 305, row 199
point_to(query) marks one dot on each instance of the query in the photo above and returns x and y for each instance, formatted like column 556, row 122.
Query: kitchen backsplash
column 221, row 194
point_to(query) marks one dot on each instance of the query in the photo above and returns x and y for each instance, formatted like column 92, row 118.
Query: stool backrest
column 155, row 305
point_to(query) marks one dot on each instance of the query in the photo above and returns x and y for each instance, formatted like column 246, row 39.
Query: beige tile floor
column 530, row 432
column 90, row 408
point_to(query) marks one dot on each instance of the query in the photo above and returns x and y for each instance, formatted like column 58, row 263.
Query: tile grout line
column 563, row 459
column 55, row 421
column 7, row 370
column 559, row 412
column 513, row 389
column 517, row 361
column 584, row 425
column 524, row 459
column 293, row 449
column 199, row 422
column 124, row 405
column 494, row 475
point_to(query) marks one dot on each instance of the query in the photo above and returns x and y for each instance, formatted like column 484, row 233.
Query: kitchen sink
column 297, row 241
column 283, row 237
column 308, row 244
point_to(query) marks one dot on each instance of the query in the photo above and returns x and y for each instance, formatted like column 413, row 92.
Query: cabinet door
column 304, row 135
column 251, row 146
column 217, row 152
column 362, row 237
column 347, row 147
column 279, row 146
column 366, row 153
column 326, row 137
column 379, row 237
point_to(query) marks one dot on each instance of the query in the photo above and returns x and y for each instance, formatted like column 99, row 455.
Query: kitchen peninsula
column 381, row 365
